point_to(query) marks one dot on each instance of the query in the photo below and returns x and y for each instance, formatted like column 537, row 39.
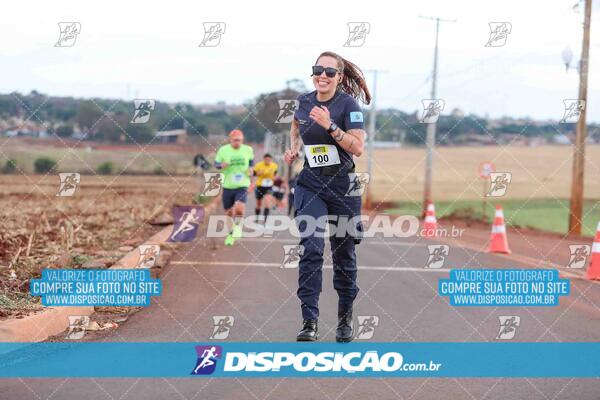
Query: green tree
column 64, row 130
column 88, row 116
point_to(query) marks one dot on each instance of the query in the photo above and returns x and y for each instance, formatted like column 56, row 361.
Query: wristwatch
column 332, row 128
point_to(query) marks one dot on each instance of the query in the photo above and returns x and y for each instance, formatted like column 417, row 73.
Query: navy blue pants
column 318, row 196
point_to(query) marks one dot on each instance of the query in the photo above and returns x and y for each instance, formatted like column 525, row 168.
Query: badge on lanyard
column 321, row 155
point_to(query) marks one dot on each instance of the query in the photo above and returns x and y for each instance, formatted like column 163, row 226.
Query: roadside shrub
column 10, row 167
column 159, row 170
column 199, row 199
column 106, row 168
column 44, row 165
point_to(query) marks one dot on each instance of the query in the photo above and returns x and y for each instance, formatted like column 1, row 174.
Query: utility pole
column 431, row 127
column 576, row 206
column 371, row 138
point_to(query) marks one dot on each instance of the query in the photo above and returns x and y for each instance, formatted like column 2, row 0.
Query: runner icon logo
column 212, row 34
column 287, row 108
column 499, row 32
column 187, row 220
column 213, row 182
column 148, row 255
column 437, row 255
column 498, row 183
column 222, row 324
column 68, row 34
column 366, row 326
column 357, row 33
column 573, row 109
column 579, row 255
column 77, row 326
column 291, row 255
column 432, row 108
column 68, row 183
column 508, row 326
column 143, row 108
column 207, row 359
column 358, row 183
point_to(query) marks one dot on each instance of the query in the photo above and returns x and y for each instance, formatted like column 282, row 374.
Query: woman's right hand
column 290, row 156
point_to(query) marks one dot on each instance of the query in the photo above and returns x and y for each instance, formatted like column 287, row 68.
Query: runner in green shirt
column 235, row 160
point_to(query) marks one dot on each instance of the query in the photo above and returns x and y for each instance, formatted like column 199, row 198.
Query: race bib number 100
column 321, row 155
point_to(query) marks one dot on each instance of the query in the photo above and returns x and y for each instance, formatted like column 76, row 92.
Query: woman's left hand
column 321, row 116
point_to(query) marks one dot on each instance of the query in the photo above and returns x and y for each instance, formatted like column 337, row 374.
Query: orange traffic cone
column 430, row 223
column 498, row 241
column 593, row 271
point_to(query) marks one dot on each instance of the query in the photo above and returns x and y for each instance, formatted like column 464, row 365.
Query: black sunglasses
column 330, row 72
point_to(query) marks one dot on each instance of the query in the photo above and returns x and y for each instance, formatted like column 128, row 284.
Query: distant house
column 178, row 136
column 536, row 141
column 377, row 144
column 561, row 138
column 474, row 139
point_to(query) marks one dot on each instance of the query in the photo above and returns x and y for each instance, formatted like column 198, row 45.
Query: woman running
column 330, row 124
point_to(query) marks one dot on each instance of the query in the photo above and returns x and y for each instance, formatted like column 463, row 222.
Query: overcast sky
column 150, row 50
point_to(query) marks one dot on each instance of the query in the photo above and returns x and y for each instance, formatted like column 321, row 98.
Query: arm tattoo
column 295, row 140
column 340, row 135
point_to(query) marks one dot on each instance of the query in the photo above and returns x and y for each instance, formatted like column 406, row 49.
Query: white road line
column 326, row 266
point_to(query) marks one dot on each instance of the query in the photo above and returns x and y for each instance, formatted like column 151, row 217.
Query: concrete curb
column 54, row 320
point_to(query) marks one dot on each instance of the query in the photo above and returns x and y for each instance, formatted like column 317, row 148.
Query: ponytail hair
column 353, row 81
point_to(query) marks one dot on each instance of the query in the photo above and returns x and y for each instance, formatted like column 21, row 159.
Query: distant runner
column 265, row 170
column 279, row 187
column 235, row 160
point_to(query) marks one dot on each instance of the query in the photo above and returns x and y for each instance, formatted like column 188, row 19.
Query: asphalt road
column 247, row 283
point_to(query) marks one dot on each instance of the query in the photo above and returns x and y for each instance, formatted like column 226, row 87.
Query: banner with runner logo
column 187, row 220
column 284, row 359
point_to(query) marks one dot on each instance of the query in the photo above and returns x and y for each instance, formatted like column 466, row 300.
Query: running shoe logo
column 207, row 359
